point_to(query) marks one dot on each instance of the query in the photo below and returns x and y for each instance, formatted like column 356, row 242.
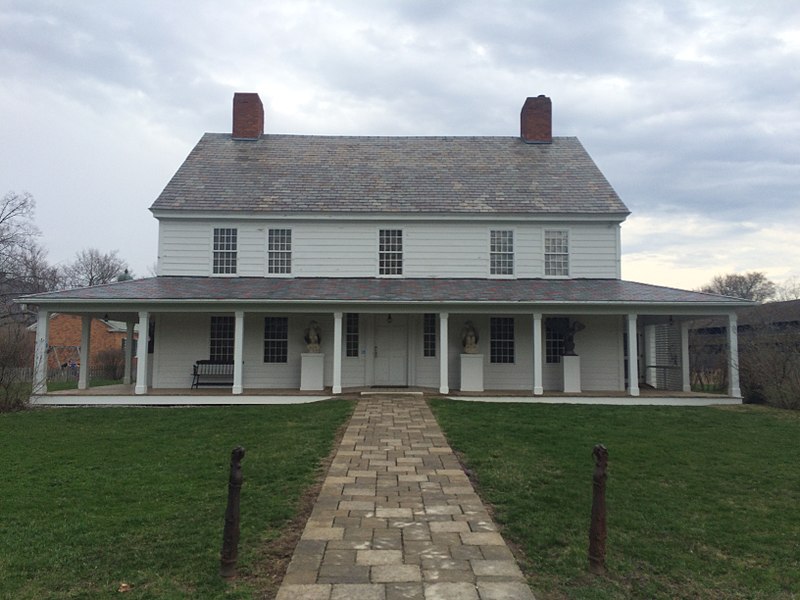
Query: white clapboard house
column 443, row 263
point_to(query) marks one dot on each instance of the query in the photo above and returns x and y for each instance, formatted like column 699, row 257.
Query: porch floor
column 124, row 395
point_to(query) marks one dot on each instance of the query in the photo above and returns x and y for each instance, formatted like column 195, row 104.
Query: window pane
column 501, row 253
column 429, row 334
column 556, row 253
column 390, row 252
column 276, row 339
column 501, row 339
column 555, row 329
column 221, row 346
column 224, row 256
column 351, row 335
column 280, row 251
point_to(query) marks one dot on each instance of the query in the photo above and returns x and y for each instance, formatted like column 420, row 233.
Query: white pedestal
column 472, row 372
column 572, row 374
column 311, row 367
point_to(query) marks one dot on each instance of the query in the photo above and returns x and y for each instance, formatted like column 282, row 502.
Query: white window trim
column 514, row 339
column 514, row 263
column 378, row 252
column 569, row 252
column 211, row 251
column 291, row 252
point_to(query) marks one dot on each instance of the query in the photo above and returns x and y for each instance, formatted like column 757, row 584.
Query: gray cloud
column 689, row 107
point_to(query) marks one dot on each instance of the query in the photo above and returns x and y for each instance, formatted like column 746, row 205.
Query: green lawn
column 90, row 498
column 72, row 384
column 702, row 502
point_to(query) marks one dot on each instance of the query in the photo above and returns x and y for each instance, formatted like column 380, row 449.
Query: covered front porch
column 526, row 338
column 124, row 395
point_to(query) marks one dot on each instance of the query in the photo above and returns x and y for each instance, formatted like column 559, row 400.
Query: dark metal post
column 230, row 536
column 597, row 527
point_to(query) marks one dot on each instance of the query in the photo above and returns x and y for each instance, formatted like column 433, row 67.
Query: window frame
column 225, row 251
column 501, row 253
column 562, row 257
column 502, row 347
column 429, row 335
column 390, row 260
column 351, row 335
column 221, row 338
column 276, row 340
column 279, row 251
column 554, row 328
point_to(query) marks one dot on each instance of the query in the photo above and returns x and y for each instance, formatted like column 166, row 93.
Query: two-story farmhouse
column 451, row 263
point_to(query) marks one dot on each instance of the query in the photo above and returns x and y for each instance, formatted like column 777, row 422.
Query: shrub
column 769, row 365
column 16, row 358
column 109, row 364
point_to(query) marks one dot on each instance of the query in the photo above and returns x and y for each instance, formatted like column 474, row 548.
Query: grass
column 72, row 384
column 702, row 502
column 91, row 498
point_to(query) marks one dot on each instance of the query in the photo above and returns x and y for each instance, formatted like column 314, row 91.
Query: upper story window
column 501, row 339
column 221, row 345
column 390, row 252
column 556, row 253
column 224, row 250
column 429, row 335
column 279, row 249
column 501, row 252
column 351, row 335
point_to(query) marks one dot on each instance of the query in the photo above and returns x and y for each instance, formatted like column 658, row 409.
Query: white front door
column 391, row 350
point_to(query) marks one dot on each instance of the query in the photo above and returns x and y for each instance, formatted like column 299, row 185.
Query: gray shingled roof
column 250, row 289
column 291, row 173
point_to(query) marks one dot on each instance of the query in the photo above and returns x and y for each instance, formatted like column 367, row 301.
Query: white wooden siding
column 184, row 248
column 593, row 251
column 349, row 248
column 601, row 352
column 181, row 339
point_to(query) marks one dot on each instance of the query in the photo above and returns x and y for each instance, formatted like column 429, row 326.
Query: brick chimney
column 248, row 116
column 536, row 121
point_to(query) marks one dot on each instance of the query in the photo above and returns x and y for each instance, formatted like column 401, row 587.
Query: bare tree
column 91, row 267
column 788, row 290
column 750, row 286
column 23, row 262
column 16, row 227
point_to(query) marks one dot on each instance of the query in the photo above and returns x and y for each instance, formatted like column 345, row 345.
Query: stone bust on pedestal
column 312, row 337
column 469, row 338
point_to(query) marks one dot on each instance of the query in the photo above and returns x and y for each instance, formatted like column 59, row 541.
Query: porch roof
column 174, row 289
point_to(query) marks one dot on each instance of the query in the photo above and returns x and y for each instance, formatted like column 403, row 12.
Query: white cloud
column 689, row 107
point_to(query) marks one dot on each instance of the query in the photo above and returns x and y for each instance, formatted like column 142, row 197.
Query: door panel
column 391, row 350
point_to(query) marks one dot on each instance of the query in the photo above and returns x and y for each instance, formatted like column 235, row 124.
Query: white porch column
column 444, row 387
column 633, row 357
column 86, row 340
column 538, row 357
column 733, row 357
column 238, row 351
column 141, row 353
column 337, row 353
column 650, row 375
column 126, row 378
column 40, row 354
column 685, row 375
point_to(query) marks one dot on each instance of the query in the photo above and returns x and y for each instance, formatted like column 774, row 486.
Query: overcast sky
column 691, row 109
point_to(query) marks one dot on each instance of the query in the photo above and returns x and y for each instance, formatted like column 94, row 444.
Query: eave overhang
column 381, row 294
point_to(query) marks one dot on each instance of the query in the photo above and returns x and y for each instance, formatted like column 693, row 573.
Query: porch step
column 392, row 392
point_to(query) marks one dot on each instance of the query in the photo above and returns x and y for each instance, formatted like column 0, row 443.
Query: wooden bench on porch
column 210, row 372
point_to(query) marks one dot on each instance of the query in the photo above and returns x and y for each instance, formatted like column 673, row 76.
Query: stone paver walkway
column 397, row 518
